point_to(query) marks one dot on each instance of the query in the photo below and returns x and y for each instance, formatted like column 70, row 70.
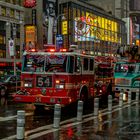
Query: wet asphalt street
column 121, row 124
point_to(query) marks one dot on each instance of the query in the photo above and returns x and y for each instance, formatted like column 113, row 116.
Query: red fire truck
column 104, row 80
column 51, row 77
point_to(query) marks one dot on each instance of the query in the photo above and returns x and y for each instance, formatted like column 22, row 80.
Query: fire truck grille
column 121, row 81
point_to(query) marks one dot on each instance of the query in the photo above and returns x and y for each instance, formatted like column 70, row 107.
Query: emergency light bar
column 63, row 50
column 33, row 50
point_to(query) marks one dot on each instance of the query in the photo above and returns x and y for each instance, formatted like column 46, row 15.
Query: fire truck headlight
column 60, row 86
column 27, row 84
column 100, row 91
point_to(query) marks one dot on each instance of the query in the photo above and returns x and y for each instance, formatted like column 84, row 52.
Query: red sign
column 29, row 3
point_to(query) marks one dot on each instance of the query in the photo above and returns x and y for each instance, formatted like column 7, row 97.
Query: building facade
column 11, row 28
column 91, row 28
column 86, row 25
column 135, row 17
column 117, row 8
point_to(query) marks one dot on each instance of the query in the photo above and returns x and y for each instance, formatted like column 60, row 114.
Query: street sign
column 11, row 47
column 59, row 41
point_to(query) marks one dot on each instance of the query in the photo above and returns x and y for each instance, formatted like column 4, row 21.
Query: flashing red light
column 32, row 50
column 52, row 50
column 83, row 52
column 3, row 64
column 63, row 50
column 70, row 132
column 57, row 81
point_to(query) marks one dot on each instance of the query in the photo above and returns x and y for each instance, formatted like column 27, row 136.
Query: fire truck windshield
column 56, row 63
column 45, row 63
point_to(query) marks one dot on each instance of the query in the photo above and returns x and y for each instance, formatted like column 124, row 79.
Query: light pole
column 56, row 21
column 14, row 38
column 55, row 26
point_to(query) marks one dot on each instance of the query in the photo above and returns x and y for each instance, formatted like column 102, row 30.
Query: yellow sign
column 64, row 27
column 137, row 42
column 30, row 34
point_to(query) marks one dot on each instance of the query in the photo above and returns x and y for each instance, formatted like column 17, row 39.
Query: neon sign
column 91, row 27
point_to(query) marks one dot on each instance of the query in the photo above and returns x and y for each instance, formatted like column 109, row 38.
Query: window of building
column 17, row 15
column 13, row 1
column 2, row 39
column 2, row 25
column 3, row 11
column 12, row 13
column 2, row 53
column 9, row 1
column 7, row 11
column 19, row 2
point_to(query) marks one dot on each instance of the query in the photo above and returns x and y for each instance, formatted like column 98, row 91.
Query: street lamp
column 56, row 21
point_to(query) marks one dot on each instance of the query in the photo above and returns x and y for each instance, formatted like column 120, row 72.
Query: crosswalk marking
column 2, row 119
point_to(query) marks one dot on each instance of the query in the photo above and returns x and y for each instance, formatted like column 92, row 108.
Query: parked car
column 9, row 84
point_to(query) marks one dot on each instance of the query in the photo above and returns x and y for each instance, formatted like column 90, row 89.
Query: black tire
column 39, row 106
column 84, row 96
column 39, row 109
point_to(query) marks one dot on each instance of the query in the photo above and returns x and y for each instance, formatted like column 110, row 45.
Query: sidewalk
column 121, row 124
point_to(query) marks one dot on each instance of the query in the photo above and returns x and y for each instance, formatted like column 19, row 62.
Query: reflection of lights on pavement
column 29, row 107
column 70, row 132
column 79, row 130
column 110, row 120
column 100, row 121
column 3, row 101
column 100, row 127
column 124, row 96
column 95, row 124
column 100, row 116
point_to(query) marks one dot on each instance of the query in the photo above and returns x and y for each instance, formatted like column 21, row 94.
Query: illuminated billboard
column 30, row 36
column 91, row 27
column 29, row 3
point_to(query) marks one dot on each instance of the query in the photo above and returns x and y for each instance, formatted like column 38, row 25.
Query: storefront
column 6, row 61
column 7, row 68
column 11, row 34
column 90, row 29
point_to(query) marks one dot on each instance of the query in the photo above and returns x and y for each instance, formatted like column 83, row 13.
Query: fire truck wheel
column 84, row 95
column 2, row 92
